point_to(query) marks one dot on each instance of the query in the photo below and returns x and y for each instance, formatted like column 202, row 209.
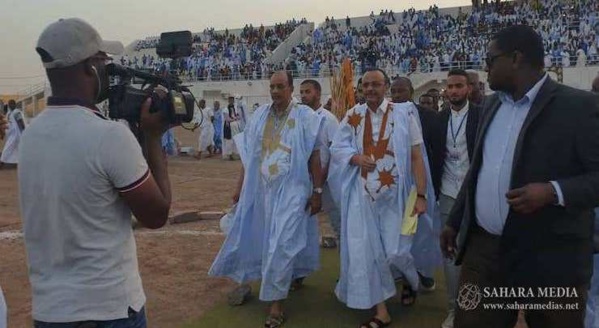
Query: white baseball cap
column 70, row 41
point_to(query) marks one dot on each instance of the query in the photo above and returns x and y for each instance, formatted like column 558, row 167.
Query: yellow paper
column 410, row 222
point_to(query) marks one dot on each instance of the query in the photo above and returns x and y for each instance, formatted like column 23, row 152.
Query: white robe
column 13, row 136
column 203, row 117
column 371, row 238
column 272, row 236
column 229, row 147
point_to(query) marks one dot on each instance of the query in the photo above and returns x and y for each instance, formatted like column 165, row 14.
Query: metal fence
column 190, row 76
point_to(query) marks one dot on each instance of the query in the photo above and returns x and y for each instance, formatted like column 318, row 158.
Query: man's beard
column 311, row 104
column 458, row 103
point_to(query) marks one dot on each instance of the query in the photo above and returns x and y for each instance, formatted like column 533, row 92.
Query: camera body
column 171, row 98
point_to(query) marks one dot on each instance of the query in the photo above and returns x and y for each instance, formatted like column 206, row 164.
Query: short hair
column 289, row 76
column 524, row 39
column 426, row 95
column 313, row 83
column 376, row 69
column 459, row 72
column 472, row 73
column 431, row 90
column 408, row 81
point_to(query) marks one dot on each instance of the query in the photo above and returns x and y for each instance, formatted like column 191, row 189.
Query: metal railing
column 188, row 76
column 31, row 90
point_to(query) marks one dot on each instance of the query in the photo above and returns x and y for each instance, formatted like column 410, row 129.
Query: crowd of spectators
column 400, row 43
column 221, row 55
column 426, row 41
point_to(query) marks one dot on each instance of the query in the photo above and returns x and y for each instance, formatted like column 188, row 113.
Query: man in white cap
column 93, row 176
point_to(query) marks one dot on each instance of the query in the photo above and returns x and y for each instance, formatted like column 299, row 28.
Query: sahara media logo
column 469, row 297
column 510, row 298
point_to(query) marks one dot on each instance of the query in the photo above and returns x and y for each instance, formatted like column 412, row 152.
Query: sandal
column 408, row 296
column 239, row 295
column 329, row 242
column 274, row 320
column 375, row 323
column 297, row 284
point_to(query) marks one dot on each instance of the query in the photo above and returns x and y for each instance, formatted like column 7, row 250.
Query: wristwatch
column 317, row 191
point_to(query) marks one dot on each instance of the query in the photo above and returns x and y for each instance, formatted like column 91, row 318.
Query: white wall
column 257, row 91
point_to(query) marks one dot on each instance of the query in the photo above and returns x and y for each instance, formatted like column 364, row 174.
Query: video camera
column 171, row 98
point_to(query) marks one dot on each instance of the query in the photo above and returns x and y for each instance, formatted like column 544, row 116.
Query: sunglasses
column 490, row 60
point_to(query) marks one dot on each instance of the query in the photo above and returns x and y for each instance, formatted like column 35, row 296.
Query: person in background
column 477, row 95
column 16, row 125
column 218, row 128
column 427, row 101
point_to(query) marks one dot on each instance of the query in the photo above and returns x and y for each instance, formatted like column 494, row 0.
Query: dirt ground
column 173, row 261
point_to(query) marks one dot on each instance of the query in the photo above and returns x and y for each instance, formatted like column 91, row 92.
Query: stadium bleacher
column 223, row 55
column 401, row 43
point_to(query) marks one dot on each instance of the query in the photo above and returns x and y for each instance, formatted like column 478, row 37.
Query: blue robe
column 426, row 247
column 272, row 236
column 371, row 239
column 169, row 146
column 218, row 135
column 592, row 308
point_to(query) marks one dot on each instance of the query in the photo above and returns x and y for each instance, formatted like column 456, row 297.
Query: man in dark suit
column 524, row 213
column 426, row 101
column 453, row 145
column 403, row 91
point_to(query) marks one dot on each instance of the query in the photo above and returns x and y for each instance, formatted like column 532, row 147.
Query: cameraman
column 81, row 176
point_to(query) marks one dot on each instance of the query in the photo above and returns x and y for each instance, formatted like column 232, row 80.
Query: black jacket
column 559, row 141
column 440, row 141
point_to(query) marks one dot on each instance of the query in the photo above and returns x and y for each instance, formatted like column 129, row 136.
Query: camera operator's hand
column 152, row 124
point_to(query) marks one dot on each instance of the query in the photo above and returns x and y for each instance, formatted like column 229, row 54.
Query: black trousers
column 487, row 300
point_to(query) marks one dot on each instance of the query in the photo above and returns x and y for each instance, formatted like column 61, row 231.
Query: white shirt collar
column 382, row 107
column 529, row 96
column 462, row 111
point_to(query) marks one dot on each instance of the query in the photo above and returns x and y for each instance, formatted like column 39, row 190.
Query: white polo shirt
column 73, row 165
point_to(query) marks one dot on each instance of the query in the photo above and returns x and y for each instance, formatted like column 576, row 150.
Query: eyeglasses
column 490, row 60
column 372, row 84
